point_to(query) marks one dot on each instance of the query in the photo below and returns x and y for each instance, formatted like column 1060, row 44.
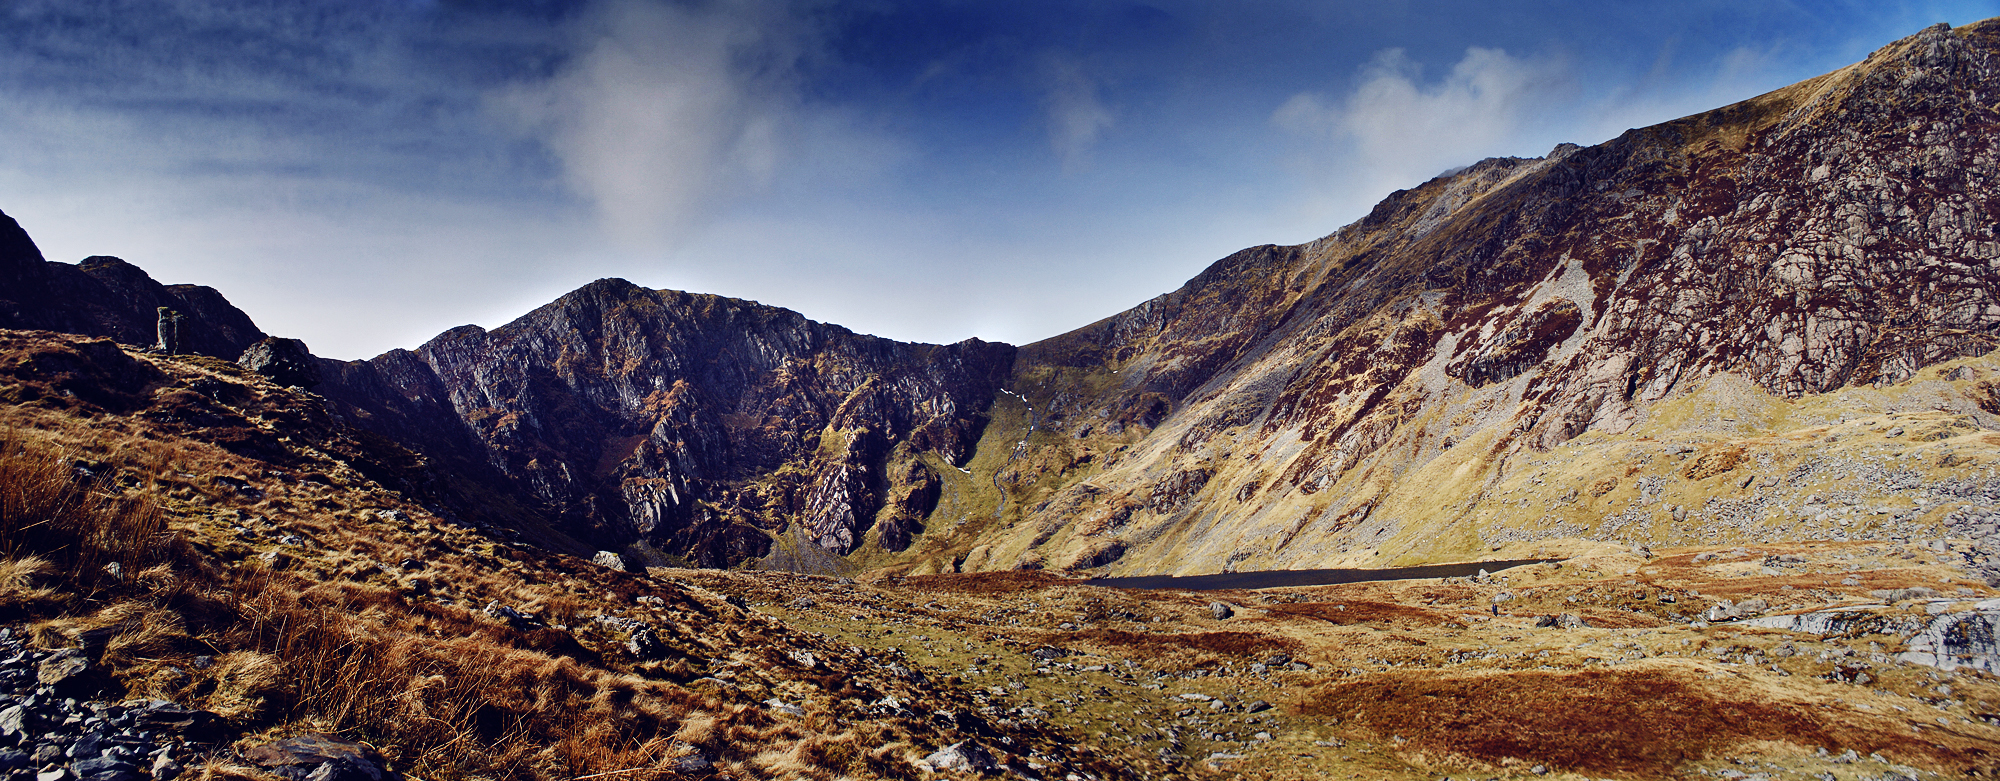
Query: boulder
column 105, row 768
column 168, row 327
column 964, row 756
column 284, row 361
column 62, row 667
column 645, row 646
column 320, row 758
column 514, row 618
column 1221, row 610
column 196, row 725
column 609, row 560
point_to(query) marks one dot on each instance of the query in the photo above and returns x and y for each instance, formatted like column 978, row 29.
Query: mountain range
column 1706, row 419
column 1624, row 328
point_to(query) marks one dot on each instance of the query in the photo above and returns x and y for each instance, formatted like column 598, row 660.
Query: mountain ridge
column 1523, row 303
column 1833, row 232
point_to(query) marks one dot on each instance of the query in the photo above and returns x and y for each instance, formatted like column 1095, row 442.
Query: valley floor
column 1422, row 679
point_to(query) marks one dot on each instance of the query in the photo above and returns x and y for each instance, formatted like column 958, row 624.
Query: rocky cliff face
column 105, row 296
column 1365, row 394
column 703, row 426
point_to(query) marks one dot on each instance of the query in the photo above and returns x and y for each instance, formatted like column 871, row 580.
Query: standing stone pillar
column 169, row 327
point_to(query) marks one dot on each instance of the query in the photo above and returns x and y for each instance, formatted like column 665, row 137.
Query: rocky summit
column 702, row 427
column 1674, row 456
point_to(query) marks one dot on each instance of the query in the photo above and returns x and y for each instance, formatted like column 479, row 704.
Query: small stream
column 1033, row 418
column 1281, row 578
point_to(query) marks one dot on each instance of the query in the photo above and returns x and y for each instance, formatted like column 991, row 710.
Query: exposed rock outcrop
column 105, row 296
column 285, row 361
column 1841, row 231
column 700, row 424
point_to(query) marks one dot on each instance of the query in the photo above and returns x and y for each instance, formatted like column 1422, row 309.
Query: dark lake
column 1309, row 577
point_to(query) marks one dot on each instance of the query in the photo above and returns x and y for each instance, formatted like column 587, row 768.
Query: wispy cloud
column 1400, row 128
column 1076, row 116
column 666, row 109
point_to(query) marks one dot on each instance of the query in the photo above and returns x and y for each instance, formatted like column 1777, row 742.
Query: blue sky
column 364, row 174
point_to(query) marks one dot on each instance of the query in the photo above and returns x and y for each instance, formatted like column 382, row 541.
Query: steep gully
column 1000, row 508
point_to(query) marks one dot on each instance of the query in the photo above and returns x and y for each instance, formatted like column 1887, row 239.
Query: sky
column 364, row 174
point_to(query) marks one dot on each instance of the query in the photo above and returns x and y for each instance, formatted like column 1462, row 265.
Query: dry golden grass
column 298, row 593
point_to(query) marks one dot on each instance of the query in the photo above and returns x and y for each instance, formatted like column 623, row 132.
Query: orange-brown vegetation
column 1364, row 612
column 330, row 600
column 1642, row 723
column 1242, row 645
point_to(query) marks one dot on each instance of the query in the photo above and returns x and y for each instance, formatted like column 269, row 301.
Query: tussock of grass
column 59, row 521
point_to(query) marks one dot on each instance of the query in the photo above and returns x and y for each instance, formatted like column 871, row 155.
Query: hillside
column 1730, row 378
column 199, row 569
column 1727, row 289
column 1653, row 340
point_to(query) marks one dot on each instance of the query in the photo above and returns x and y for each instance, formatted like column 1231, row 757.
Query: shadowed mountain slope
column 105, row 296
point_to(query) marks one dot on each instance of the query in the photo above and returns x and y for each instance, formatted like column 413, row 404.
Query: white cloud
column 1396, row 129
column 667, row 110
column 1075, row 115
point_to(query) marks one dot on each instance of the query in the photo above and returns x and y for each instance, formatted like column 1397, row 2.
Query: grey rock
column 304, row 755
column 608, row 560
column 99, row 765
column 963, row 757
column 514, row 618
column 784, row 707
column 167, row 326
column 14, row 720
column 692, row 763
column 645, row 645
column 1571, row 621
column 284, row 361
column 345, row 769
column 61, row 667
column 1900, row 594
column 1221, row 610
column 176, row 720
column 165, row 768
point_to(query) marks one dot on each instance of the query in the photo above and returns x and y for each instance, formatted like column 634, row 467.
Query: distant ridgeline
column 1639, row 341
